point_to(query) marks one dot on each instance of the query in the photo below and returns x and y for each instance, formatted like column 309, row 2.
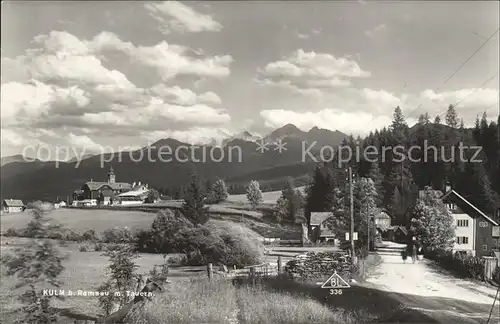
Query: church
column 95, row 193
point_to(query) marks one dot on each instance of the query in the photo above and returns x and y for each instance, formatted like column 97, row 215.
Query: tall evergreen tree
column 194, row 207
column 437, row 120
column 452, row 117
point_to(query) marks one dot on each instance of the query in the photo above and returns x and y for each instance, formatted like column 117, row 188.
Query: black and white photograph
column 250, row 162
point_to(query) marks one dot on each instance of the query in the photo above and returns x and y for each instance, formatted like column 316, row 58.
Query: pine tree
column 452, row 117
column 437, row 120
column 290, row 203
column 399, row 125
column 254, row 194
column 194, row 207
column 37, row 263
column 377, row 177
column 219, row 191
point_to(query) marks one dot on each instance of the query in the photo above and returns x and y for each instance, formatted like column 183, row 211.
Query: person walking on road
column 404, row 254
column 413, row 252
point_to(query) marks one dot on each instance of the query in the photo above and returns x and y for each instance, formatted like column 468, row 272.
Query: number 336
column 335, row 291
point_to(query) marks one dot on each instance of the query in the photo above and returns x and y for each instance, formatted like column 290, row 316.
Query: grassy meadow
column 84, row 219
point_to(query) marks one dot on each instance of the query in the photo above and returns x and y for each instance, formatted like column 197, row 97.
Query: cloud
column 182, row 96
column 310, row 70
column 63, row 87
column 333, row 119
column 193, row 135
column 22, row 103
column 359, row 108
column 379, row 30
column 175, row 16
column 169, row 60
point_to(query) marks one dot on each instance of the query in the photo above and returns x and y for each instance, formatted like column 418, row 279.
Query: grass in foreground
column 198, row 301
column 259, row 306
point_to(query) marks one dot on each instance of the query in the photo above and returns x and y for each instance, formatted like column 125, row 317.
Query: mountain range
column 243, row 160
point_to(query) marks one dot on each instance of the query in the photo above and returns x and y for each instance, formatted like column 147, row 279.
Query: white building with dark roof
column 13, row 206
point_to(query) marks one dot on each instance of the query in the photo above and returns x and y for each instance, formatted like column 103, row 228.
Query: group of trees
column 395, row 180
column 330, row 190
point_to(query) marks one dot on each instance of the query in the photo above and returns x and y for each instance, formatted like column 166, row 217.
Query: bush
column 160, row 237
column 118, row 235
column 12, row 232
column 178, row 260
column 465, row 266
column 91, row 236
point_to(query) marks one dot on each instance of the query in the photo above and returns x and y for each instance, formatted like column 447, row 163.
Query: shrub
column 122, row 269
column 464, row 266
column 160, row 237
column 91, row 236
column 118, row 235
column 12, row 232
column 177, row 260
column 83, row 248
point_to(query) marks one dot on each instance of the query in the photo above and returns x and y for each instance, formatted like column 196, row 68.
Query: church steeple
column 111, row 175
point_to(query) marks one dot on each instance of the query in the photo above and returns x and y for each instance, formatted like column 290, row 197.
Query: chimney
column 447, row 187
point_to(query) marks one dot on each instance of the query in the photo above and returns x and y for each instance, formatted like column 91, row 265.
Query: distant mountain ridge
column 42, row 180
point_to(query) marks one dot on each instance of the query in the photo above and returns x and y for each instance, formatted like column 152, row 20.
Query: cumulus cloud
column 311, row 70
column 62, row 86
column 333, row 119
column 377, row 31
column 169, row 60
column 175, row 16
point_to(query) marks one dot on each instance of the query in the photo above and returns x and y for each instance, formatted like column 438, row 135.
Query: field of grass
column 84, row 219
column 201, row 301
column 83, row 270
column 268, row 197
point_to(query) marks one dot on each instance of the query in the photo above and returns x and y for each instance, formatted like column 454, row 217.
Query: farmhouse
column 13, row 206
column 382, row 222
column 476, row 233
column 95, row 193
column 318, row 229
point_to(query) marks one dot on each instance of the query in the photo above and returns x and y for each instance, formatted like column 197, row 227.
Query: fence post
column 279, row 264
column 210, row 271
column 252, row 275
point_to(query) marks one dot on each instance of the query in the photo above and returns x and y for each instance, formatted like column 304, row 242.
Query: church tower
column 111, row 175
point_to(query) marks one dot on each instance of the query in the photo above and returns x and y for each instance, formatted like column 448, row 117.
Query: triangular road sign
column 335, row 281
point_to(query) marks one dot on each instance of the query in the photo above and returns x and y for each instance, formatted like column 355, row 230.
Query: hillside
column 43, row 181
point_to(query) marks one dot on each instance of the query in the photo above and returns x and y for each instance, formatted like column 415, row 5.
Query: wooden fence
column 253, row 271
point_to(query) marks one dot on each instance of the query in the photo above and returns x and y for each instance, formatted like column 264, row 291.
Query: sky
column 99, row 76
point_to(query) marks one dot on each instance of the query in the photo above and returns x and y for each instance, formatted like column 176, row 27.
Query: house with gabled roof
column 318, row 227
column 13, row 206
column 476, row 233
column 103, row 193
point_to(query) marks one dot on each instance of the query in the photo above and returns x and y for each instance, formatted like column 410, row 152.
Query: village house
column 95, row 193
column 382, row 222
column 476, row 233
column 318, row 229
column 13, row 206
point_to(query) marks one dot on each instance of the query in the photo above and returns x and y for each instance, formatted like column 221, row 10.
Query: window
column 463, row 223
column 462, row 240
column 451, row 206
column 485, row 248
column 483, row 224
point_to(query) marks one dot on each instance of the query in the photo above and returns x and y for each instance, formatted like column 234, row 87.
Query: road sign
column 355, row 236
column 334, row 282
column 347, row 236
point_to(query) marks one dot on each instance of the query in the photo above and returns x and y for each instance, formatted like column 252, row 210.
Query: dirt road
column 428, row 289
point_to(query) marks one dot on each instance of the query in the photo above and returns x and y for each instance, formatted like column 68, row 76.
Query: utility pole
column 351, row 194
column 368, row 222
